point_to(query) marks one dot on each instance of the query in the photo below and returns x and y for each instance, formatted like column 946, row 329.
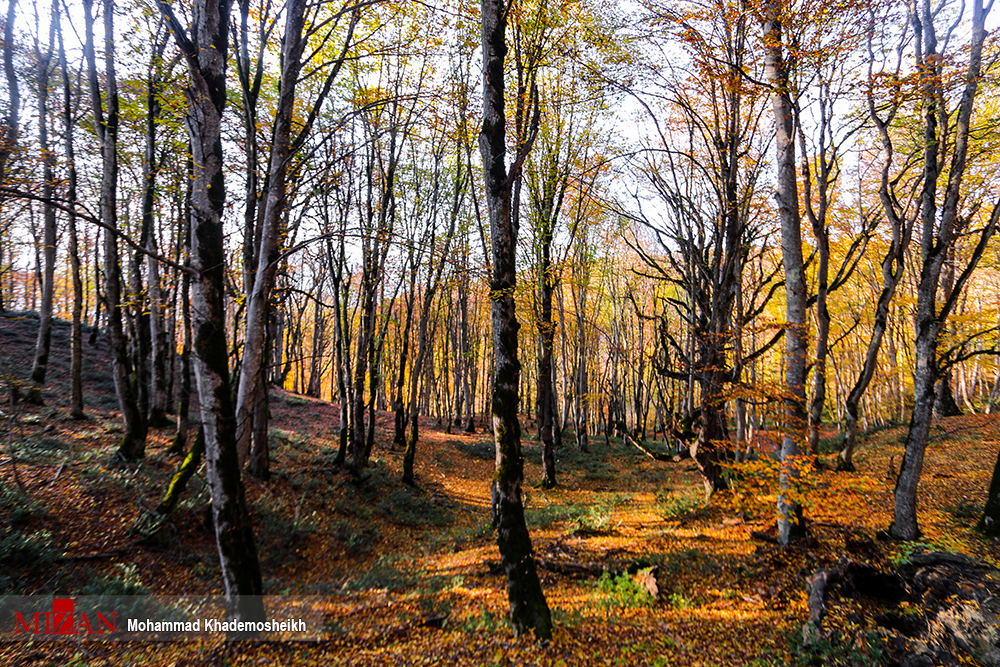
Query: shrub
column 621, row 592
column 477, row 449
column 965, row 511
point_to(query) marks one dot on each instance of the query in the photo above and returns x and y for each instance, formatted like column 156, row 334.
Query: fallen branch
column 651, row 453
column 104, row 555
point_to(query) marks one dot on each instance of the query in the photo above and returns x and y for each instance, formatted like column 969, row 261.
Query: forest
column 509, row 332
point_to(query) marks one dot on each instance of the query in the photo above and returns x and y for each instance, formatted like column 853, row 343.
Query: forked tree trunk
column 254, row 346
column 205, row 51
column 937, row 240
column 892, row 272
column 528, row 608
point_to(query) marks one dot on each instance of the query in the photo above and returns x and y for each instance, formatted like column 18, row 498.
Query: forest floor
column 408, row 575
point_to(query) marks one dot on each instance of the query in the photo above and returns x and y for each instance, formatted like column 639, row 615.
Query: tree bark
column 205, row 51
column 790, row 523
column 528, row 608
column 133, row 442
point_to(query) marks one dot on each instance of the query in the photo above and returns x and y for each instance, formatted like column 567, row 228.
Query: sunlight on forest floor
column 388, row 558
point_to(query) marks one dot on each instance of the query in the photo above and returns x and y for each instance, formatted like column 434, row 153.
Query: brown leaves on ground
column 407, row 574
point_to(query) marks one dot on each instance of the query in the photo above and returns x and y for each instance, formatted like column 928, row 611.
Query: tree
column 941, row 223
column 528, row 608
column 205, row 47
column 283, row 146
column 43, row 62
column 705, row 168
column 892, row 264
column 790, row 523
column 133, row 443
column 76, row 334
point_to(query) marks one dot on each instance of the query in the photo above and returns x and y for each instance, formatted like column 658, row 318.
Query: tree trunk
column 182, row 476
column 133, row 442
column 44, row 341
column 528, row 608
column 76, row 334
column 989, row 523
column 157, row 343
column 207, row 98
column 790, row 522
column 281, row 150
column 184, row 403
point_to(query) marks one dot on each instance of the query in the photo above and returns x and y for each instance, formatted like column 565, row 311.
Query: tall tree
column 205, row 47
column 528, row 608
column 790, row 522
column 285, row 142
column 893, row 261
column 940, row 228
column 76, row 334
column 133, row 443
column 43, row 62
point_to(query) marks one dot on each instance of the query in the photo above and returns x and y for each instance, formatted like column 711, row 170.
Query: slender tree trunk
column 281, row 150
column 44, row 341
column 546, row 333
column 184, row 403
column 260, row 454
column 157, row 343
column 399, row 436
column 528, row 608
column 182, row 476
column 133, row 442
column 790, row 523
column 76, row 334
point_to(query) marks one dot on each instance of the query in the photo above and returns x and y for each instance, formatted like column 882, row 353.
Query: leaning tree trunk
column 790, row 522
column 205, row 51
column 528, row 608
column 254, row 346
